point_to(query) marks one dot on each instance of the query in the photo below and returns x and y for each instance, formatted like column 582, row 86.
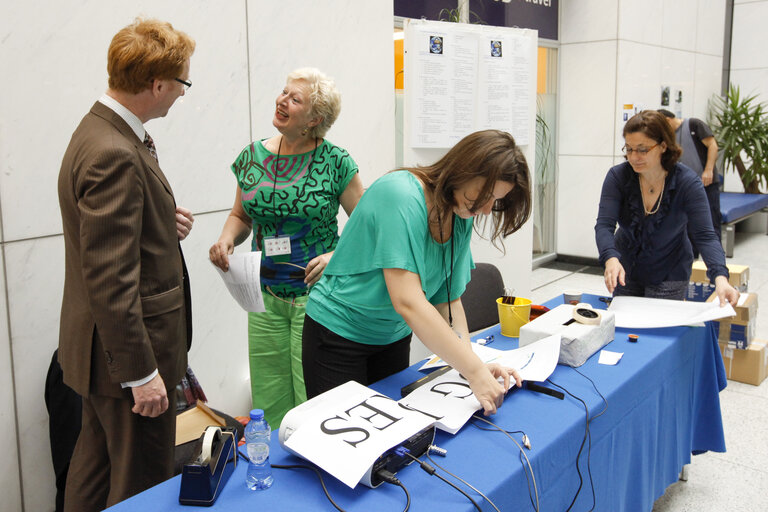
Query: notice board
column 461, row 78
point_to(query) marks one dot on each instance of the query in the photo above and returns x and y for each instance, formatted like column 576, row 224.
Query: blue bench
column 735, row 207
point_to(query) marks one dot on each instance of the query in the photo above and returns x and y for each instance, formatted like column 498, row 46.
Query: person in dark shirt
column 655, row 200
column 699, row 147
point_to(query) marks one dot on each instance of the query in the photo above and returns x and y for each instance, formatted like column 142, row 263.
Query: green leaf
column 740, row 125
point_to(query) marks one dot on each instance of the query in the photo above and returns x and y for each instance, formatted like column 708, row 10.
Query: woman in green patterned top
column 289, row 188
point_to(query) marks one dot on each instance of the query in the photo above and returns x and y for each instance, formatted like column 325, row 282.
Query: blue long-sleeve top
column 656, row 248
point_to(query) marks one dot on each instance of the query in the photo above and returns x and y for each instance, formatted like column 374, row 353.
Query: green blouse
column 388, row 229
column 297, row 196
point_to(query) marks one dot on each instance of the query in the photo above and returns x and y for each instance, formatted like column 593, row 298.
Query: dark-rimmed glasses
column 186, row 83
column 640, row 151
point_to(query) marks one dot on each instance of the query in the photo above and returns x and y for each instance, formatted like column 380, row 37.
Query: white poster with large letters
column 345, row 429
column 346, row 434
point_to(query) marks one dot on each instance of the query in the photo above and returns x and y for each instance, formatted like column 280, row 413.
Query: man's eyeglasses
column 640, row 151
column 187, row 84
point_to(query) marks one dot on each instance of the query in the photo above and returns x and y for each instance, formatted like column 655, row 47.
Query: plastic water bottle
column 257, row 434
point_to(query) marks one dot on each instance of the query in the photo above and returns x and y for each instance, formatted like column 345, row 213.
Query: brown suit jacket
column 124, row 311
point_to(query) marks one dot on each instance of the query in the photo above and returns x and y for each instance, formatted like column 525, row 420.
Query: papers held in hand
column 243, row 281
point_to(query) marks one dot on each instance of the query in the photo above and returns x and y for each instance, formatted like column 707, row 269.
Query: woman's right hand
column 487, row 389
column 219, row 253
column 614, row 273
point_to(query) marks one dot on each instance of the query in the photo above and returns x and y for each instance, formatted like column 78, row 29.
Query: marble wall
column 10, row 484
column 53, row 54
column 749, row 61
column 614, row 53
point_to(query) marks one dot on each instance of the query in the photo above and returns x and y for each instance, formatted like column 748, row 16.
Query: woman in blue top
column 655, row 202
column 403, row 262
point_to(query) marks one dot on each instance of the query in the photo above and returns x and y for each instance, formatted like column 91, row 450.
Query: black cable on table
column 589, row 449
column 581, row 448
column 433, row 472
column 486, row 498
column 522, row 454
column 390, row 478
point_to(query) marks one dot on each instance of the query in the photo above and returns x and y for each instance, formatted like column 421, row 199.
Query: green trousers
column 274, row 353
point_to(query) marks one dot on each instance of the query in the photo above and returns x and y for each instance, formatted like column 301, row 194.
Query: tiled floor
column 736, row 480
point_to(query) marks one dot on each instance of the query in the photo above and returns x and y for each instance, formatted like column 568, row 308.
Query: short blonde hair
column 145, row 50
column 324, row 98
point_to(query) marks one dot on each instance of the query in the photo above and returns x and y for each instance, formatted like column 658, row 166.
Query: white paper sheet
column 536, row 361
column 609, row 358
column 463, row 78
column 345, row 438
column 484, row 352
column 449, row 397
column 642, row 312
column 243, row 280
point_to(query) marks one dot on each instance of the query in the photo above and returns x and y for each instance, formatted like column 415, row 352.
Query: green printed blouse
column 297, row 196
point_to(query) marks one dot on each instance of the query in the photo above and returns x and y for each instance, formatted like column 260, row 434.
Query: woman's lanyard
column 277, row 245
column 448, row 277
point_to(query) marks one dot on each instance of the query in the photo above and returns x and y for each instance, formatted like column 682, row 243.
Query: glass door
column 545, row 179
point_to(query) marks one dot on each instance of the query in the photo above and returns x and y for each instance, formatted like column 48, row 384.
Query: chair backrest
column 479, row 299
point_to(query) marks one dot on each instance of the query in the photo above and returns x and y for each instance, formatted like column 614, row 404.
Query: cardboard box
column 741, row 334
column 746, row 310
column 749, row 366
column 191, row 423
column 698, row 292
column 739, row 275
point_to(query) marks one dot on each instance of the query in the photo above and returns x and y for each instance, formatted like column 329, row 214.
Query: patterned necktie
column 150, row 145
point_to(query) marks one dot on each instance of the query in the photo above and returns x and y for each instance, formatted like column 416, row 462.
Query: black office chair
column 479, row 299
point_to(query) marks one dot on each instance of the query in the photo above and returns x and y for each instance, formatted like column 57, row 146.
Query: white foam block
column 578, row 341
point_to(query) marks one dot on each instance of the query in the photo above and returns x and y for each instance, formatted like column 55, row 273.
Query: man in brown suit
column 125, row 316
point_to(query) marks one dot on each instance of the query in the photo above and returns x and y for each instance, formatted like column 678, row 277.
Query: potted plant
column 740, row 125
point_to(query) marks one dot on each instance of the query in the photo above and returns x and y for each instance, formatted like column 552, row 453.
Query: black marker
column 532, row 386
column 431, row 376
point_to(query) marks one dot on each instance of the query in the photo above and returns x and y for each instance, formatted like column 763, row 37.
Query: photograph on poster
column 436, row 45
column 495, row 48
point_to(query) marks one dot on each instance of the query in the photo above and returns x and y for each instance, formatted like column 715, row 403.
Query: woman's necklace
column 650, row 191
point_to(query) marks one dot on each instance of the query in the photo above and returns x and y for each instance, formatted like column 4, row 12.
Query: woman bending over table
column 403, row 262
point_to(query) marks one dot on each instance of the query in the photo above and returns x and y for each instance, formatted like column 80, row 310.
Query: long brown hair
column 489, row 154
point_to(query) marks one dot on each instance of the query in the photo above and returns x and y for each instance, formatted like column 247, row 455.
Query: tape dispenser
column 213, row 462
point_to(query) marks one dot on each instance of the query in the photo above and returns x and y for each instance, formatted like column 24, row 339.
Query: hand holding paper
column 243, row 281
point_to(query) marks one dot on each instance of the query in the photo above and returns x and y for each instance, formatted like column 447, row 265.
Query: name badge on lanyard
column 277, row 245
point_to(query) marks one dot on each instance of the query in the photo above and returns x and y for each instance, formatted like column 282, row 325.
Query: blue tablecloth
column 663, row 405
